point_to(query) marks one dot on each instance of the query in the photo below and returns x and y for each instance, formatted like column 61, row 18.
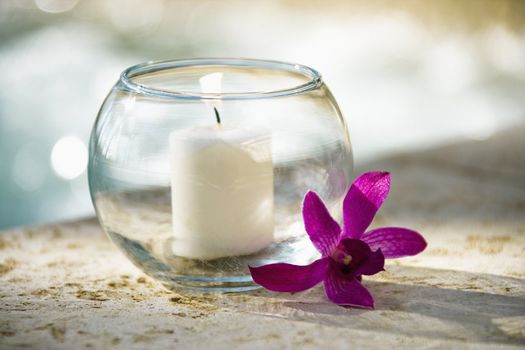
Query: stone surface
column 66, row 286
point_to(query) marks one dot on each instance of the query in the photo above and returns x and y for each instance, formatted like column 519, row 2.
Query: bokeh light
column 55, row 6
column 29, row 169
column 408, row 75
column 69, row 157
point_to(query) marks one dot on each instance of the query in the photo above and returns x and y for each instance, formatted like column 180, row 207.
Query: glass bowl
column 198, row 167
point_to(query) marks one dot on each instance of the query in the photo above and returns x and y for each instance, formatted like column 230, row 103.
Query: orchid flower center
column 342, row 257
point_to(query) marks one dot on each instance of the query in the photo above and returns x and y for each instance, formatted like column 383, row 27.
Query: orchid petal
column 395, row 242
column 365, row 196
column 345, row 291
column 283, row 277
column 324, row 231
column 362, row 202
column 374, row 264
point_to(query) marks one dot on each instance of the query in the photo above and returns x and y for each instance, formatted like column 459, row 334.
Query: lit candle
column 221, row 191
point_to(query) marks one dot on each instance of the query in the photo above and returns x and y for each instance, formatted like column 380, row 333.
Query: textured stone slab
column 66, row 286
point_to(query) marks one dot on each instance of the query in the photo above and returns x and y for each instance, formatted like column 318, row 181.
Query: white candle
column 222, row 192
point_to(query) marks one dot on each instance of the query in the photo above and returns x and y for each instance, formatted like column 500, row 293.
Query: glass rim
column 126, row 77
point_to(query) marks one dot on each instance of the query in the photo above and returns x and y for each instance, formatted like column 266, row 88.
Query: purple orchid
column 349, row 253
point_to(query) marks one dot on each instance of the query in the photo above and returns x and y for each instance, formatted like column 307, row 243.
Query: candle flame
column 211, row 83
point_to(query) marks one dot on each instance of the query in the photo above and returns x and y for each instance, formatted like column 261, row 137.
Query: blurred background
column 408, row 75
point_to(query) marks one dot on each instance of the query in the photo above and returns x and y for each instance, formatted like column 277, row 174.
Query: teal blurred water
column 408, row 75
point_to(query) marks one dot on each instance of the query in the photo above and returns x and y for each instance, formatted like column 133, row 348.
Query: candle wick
column 217, row 115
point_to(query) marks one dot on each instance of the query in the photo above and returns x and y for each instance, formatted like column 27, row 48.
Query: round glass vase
column 198, row 168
